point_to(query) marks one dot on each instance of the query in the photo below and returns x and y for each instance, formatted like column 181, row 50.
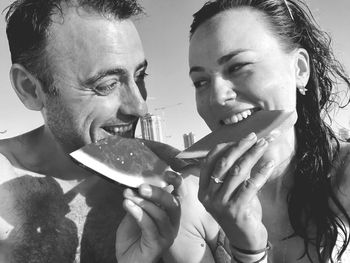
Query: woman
column 288, row 192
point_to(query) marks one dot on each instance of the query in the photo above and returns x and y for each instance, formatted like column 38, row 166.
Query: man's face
column 98, row 68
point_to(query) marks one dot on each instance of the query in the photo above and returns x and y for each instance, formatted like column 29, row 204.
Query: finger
column 207, row 165
column 146, row 224
column 252, row 185
column 232, row 154
column 273, row 135
column 176, row 180
column 166, row 200
column 241, row 170
column 228, row 158
column 156, row 213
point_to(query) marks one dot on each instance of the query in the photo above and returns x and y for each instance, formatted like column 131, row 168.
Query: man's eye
column 106, row 89
column 200, row 84
column 141, row 76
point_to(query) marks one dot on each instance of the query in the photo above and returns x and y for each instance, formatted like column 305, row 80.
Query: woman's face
column 238, row 67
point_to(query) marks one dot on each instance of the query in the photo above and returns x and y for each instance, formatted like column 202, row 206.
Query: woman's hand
column 228, row 190
column 151, row 223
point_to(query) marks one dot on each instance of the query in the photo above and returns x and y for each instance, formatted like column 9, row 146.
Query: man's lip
column 118, row 129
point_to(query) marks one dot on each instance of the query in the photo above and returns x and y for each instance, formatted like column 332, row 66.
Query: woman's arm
column 198, row 231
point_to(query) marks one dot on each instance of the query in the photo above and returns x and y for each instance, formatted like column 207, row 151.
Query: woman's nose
column 222, row 91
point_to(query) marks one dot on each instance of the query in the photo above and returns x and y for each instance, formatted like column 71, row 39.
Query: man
column 82, row 65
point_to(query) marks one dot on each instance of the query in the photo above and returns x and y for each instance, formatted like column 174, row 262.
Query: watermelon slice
column 127, row 161
column 261, row 122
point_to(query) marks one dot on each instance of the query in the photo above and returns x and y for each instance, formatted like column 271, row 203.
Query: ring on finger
column 216, row 180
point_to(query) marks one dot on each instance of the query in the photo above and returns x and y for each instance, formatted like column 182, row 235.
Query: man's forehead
column 86, row 43
column 79, row 29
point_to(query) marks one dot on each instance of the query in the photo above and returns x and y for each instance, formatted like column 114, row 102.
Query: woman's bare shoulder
column 341, row 175
column 342, row 164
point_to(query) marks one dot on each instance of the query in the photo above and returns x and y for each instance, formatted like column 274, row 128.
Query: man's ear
column 27, row 87
column 302, row 67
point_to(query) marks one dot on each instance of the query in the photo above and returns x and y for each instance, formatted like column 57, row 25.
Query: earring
column 302, row 90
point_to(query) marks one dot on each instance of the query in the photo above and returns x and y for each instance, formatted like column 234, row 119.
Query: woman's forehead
column 235, row 29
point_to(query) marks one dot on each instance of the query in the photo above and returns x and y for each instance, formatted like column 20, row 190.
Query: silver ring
column 216, row 180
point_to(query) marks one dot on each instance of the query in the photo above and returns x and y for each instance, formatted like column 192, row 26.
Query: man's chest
column 43, row 223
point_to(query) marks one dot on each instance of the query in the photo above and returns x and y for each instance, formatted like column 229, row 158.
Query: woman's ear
column 27, row 87
column 302, row 67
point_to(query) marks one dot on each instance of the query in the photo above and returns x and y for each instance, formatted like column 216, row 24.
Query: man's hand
column 151, row 223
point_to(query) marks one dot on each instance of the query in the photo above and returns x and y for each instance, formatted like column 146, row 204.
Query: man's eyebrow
column 103, row 73
column 115, row 71
column 143, row 64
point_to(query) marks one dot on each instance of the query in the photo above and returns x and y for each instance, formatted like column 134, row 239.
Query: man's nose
column 222, row 91
column 134, row 103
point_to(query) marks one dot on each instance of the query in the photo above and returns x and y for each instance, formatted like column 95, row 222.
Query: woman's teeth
column 238, row 117
column 118, row 130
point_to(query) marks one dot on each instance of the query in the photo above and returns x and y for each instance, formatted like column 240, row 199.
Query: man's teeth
column 118, row 130
column 238, row 117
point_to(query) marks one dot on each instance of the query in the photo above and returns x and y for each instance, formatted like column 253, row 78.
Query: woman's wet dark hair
column 317, row 146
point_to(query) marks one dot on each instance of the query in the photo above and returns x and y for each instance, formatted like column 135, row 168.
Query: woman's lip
column 239, row 116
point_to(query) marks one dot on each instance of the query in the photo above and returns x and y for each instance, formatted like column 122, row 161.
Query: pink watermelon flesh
column 260, row 122
column 127, row 161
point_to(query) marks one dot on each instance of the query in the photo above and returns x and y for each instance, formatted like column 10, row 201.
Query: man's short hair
column 28, row 23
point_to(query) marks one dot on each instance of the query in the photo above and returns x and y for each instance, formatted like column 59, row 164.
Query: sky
column 164, row 33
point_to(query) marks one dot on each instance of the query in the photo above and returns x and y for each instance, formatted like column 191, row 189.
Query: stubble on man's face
column 92, row 105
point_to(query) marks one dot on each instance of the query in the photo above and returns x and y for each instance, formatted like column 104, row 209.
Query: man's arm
column 198, row 231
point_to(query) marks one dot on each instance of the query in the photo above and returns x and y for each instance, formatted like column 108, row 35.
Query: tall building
column 151, row 128
column 189, row 139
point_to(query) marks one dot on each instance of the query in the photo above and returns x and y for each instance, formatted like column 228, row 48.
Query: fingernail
column 128, row 192
column 129, row 203
column 250, row 136
column 261, row 142
column 146, row 190
column 170, row 174
column 269, row 164
column 169, row 188
column 272, row 136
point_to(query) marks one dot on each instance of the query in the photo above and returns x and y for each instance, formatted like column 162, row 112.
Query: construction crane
column 162, row 110
column 168, row 106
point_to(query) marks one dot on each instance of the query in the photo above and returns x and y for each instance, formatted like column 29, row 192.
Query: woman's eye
column 107, row 88
column 236, row 67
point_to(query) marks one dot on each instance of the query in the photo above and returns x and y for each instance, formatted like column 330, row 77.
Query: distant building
column 189, row 139
column 151, row 128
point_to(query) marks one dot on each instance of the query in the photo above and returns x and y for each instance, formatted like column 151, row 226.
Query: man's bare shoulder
column 7, row 171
